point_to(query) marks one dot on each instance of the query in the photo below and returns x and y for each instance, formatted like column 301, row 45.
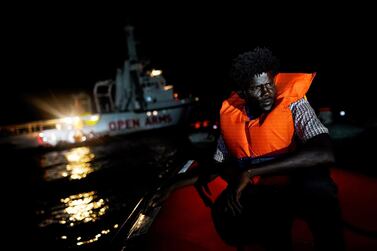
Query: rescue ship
column 137, row 100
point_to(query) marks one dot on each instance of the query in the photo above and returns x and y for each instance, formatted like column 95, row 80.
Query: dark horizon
column 57, row 53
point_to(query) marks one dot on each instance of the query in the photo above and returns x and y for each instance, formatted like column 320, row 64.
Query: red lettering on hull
column 155, row 120
column 123, row 124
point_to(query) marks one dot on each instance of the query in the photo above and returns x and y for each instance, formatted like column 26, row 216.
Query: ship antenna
column 131, row 43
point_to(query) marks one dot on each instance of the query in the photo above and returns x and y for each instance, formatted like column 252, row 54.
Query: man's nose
column 265, row 90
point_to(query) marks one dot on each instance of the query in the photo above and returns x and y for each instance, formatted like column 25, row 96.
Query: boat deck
column 184, row 222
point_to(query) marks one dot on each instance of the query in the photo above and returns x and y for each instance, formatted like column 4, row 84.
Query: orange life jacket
column 254, row 140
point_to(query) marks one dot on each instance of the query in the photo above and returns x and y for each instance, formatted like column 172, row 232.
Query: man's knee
column 320, row 187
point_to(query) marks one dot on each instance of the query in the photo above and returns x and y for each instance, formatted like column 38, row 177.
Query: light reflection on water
column 82, row 241
column 75, row 209
column 79, row 154
column 76, row 164
column 84, row 193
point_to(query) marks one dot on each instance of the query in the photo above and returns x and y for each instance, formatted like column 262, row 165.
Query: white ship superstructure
column 136, row 100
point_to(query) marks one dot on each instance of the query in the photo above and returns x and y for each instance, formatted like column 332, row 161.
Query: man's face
column 261, row 92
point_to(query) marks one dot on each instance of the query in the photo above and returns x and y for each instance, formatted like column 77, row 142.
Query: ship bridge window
column 149, row 84
column 22, row 130
column 35, row 129
column 47, row 127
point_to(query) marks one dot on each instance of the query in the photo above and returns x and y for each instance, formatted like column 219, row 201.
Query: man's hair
column 246, row 65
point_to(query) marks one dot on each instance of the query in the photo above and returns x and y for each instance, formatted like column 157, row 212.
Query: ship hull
column 82, row 129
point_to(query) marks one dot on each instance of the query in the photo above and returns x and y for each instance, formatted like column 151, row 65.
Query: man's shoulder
column 301, row 105
column 307, row 124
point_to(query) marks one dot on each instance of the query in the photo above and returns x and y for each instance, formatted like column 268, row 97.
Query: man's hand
column 243, row 180
column 233, row 193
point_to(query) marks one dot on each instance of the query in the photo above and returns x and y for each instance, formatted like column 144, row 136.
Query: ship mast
column 128, row 92
column 132, row 55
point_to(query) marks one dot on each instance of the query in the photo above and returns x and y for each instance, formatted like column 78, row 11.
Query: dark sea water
column 77, row 198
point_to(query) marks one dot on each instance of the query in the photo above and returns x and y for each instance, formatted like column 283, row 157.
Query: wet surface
column 77, row 198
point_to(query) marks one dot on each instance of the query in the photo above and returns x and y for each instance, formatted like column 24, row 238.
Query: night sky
column 51, row 51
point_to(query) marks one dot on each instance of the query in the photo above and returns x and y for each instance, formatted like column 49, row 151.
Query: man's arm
column 315, row 152
column 315, row 144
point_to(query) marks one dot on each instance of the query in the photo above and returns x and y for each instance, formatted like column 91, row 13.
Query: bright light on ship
column 90, row 120
column 168, row 87
column 342, row 113
column 68, row 120
column 155, row 73
column 94, row 117
column 73, row 122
